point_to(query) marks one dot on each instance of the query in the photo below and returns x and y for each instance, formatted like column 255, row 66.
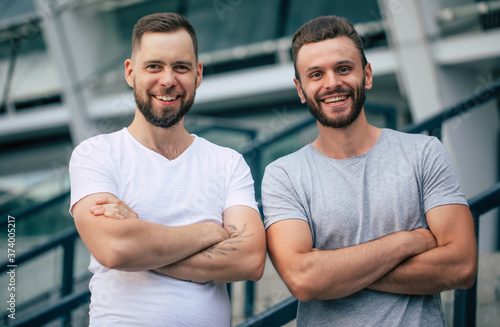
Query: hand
column 423, row 240
column 219, row 232
column 113, row 208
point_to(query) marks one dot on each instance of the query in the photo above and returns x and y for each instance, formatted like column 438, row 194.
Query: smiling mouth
column 336, row 99
column 167, row 98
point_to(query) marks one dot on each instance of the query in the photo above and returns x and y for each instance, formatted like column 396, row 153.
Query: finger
column 118, row 212
column 113, row 213
column 97, row 210
column 107, row 200
column 110, row 214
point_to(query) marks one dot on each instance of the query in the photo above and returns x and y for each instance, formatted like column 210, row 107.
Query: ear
column 199, row 74
column 129, row 76
column 298, row 86
column 368, row 76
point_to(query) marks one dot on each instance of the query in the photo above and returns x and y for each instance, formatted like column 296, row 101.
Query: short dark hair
column 162, row 22
column 323, row 28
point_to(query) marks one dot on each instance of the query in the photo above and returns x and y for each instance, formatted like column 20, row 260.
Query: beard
column 167, row 117
column 358, row 100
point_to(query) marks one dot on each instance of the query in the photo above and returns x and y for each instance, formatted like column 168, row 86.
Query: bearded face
column 164, row 117
column 358, row 97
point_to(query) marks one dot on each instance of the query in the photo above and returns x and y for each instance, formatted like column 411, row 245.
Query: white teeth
column 165, row 98
column 335, row 99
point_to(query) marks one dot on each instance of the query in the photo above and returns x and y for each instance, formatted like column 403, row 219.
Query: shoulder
column 101, row 146
column 421, row 149
column 408, row 137
column 101, row 141
column 210, row 149
column 410, row 142
column 292, row 160
column 290, row 164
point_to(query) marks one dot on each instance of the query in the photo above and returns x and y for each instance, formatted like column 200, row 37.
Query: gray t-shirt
column 356, row 200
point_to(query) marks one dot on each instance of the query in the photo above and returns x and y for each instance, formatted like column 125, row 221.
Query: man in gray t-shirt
column 365, row 225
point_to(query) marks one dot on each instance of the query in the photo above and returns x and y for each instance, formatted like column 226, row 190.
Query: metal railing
column 434, row 124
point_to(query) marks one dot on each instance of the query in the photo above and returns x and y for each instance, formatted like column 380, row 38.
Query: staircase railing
column 434, row 124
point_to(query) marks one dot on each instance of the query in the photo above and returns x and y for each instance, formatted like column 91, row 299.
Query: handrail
column 464, row 306
column 45, row 315
column 485, row 201
column 434, row 124
column 61, row 238
column 277, row 315
column 24, row 211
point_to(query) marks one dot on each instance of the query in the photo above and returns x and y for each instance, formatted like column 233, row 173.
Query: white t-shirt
column 197, row 186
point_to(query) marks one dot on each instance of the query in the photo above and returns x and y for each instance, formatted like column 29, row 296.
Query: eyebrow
column 161, row 62
column 338, row 63
column 153, row 61
column 343, row 62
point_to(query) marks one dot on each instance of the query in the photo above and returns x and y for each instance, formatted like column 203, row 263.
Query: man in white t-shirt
column 167, row 216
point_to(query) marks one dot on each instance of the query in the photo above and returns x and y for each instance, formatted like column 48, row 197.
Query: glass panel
column 226, row 24
column 355, row 11
column 10, row 9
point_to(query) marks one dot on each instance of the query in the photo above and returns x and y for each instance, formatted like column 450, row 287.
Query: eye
column 153, row 67
column 182, row 68
column 344, row 70
column 315, row 75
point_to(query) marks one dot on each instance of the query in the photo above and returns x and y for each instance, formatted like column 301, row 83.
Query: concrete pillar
column 431, row 87
column 82, row 41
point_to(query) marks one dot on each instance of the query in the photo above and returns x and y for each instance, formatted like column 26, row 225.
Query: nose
column 331, row 80
column 167, row 78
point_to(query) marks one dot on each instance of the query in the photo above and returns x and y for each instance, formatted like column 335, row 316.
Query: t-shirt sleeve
column 241, row 186
column 90, row 171
column 279, row 198
column 441, row 185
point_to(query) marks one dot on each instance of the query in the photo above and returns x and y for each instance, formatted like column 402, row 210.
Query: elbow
column 111, row 262
column 463, row 274
column 467, row 276
column 301, row 287
column 112, row 258
column 256, row 267
column 256, row 273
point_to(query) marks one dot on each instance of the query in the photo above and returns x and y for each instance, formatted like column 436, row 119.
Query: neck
column 347, row 142
column 170, row 142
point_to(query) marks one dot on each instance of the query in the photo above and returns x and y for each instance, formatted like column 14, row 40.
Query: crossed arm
column 201, row 252
column 411, row 262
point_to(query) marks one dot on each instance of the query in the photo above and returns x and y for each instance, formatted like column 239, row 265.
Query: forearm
column 240, row 257
column 453, row 264
column 434, row 271
column 330, row 274
column 119, row 240
column 135, row 245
